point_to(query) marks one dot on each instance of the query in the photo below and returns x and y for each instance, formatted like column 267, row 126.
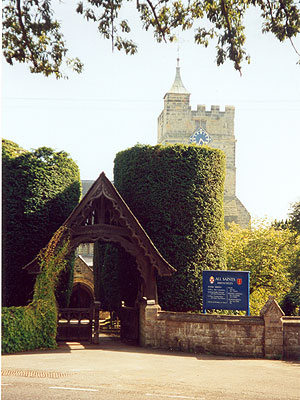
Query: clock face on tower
column 200, row 136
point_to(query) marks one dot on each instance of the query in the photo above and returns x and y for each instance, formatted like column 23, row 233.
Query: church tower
column 178, row 123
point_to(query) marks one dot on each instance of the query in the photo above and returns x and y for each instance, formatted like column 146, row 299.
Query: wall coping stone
column 291, row 322
column 211, row 318
column 273, row 306
column 291, row 318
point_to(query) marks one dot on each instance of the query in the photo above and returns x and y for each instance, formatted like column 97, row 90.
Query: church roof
column 178, row 86
column 85, row 185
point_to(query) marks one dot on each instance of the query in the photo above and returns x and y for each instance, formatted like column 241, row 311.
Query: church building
column 178, row 123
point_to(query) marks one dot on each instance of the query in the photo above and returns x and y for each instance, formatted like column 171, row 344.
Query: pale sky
column 115, row 102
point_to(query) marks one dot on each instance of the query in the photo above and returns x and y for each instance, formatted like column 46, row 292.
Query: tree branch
column 225, row 14
column 112, row 26
column 156, row 19
column 270, row 9
column 287, row 14
column 24, row 34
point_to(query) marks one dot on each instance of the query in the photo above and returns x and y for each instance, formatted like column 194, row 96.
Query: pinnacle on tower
column 178, row 86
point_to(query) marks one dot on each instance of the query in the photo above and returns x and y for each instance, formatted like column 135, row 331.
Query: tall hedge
column 40, row 189
column 115, row 278
column 176, row 192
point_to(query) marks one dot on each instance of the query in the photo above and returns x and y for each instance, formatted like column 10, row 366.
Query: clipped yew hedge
column 176, row 192
column 115, row 278
column 40, row 189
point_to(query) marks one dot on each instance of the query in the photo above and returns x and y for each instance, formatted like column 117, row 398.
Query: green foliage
column 34, row 326
column 176, row 192
column 115, row 276
column 110, row 279
column 270, row 254
column 11, row 149
column 19, row 331
column 31, row 33
column 293, row 222
column 129, row 278
column 107, row 275
column 295, row 217
column 65, row 285
column 40, row 189
column 98, row 259
column 291, row 304
column 291, row 301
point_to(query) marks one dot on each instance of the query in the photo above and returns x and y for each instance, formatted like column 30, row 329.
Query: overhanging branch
column 24, row 33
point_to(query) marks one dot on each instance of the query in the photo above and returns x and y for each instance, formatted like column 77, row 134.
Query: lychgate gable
column 103, row 215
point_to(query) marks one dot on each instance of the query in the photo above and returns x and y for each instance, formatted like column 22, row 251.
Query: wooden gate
column 82, row 324
column 130, row 324
column 75, row 324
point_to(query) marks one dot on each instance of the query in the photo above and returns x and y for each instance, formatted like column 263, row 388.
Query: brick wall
column 270, row 335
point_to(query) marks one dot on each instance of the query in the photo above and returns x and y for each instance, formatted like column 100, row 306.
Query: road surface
column 113, row 371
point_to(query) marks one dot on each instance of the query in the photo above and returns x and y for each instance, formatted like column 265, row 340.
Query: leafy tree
column 40, row 189
column 295, row 217
column 291, row 301
column 31, row 33
column 293, row 222
column 269, row 253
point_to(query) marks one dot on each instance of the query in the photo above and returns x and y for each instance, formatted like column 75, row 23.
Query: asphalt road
column 113, row 371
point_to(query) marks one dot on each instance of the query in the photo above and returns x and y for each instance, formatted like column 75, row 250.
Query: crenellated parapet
column 178, row 122
column 214, row 110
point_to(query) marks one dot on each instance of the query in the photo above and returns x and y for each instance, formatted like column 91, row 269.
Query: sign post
column 226, row 290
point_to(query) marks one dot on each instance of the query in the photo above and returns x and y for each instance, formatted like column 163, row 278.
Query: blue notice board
column 226, row 290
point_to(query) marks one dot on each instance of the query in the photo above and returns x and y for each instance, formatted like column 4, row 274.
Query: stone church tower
column 178, row 123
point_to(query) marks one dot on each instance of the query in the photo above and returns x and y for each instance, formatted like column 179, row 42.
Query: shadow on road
column 116, row 345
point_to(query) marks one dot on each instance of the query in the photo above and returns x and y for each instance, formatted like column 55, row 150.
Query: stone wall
column 83, row 274
column 270, row 335
column 291, row 338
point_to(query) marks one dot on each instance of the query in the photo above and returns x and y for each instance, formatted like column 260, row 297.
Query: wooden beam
column 101, row 229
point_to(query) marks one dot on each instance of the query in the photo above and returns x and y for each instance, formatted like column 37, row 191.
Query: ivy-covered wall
column 34, row 326
column 40, row 189
column 176, row 192
column 64, row 288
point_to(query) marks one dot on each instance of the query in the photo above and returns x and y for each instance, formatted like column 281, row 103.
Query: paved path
column 113, row 371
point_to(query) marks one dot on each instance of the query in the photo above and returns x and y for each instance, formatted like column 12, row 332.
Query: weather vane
column 179, row 40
